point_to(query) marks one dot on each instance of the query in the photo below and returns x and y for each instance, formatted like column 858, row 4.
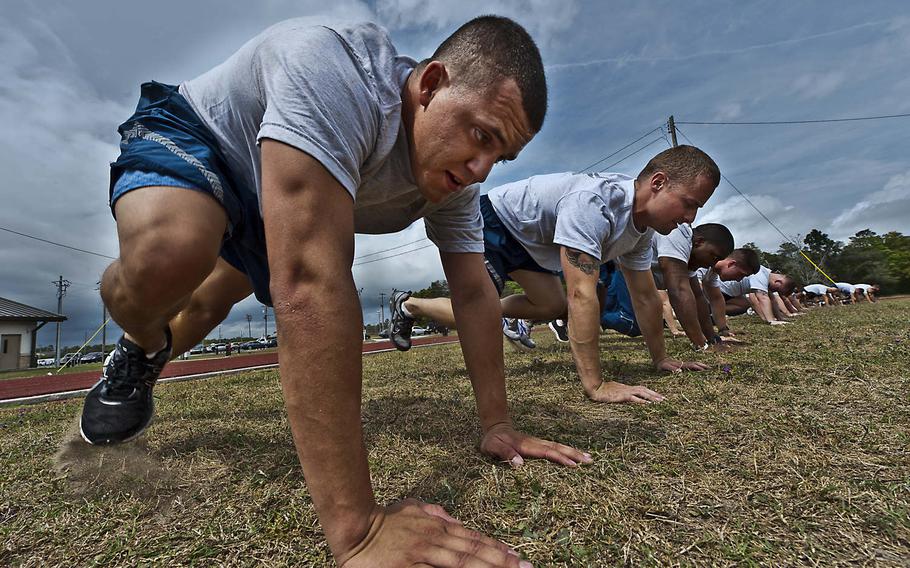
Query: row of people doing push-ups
column 580, row 230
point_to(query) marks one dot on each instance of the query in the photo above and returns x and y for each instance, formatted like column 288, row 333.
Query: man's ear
column 433, row 77
column 659, row 181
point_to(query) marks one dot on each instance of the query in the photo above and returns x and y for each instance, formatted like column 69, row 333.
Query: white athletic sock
column 405, row 311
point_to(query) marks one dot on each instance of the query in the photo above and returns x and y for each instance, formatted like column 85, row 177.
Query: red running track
column 43, row 384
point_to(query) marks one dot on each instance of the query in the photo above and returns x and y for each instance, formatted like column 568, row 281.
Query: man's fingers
column 463, row 547
column 650, row 395
column 554, row 452
column 437, row 511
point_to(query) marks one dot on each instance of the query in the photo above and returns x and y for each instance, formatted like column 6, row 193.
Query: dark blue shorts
column 502, row 253
column 166, row 143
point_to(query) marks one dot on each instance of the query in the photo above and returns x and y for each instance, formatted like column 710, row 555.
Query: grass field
column 794, row 451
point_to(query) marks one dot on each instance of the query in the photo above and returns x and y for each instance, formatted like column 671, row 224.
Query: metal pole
column 671, row 126
column 381, row 309
column 265, row 318
column 249, row 325
column 61, row 285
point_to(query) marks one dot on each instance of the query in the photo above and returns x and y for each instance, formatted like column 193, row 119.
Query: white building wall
column 22, row 328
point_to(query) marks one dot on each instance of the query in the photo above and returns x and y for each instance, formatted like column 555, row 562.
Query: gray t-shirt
column 735, row 288
column 817, row 289
column 677, row 244
column 759, row 280
column 591, row 213
column 708, row 277
column 336, row 95
column 845, row 287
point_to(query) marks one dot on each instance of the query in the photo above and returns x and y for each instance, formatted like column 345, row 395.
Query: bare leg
column 436, row 309
column 737, row 306
column 169, row 242
column 544, row 298
column 209, row 305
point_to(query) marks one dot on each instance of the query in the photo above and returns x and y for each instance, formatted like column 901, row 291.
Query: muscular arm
column 761, row 304
column 314, row 297
column 778, row 307
column 648, row 311
column 718, row 306
column 581, row 271
column 477, row 315
column 682, row 298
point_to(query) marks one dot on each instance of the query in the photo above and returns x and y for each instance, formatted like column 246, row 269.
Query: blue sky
column 616, row 70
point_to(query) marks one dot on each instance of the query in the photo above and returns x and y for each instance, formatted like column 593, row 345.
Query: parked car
column 47, row 362
column 69, row 360
column 93, row 357
column 219, row 348
column 417, row 330
column 199, row 349
column 384, row 333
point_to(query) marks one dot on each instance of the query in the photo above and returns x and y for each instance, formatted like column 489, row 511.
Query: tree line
column 867, row 258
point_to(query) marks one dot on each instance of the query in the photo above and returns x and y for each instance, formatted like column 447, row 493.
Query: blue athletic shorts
column 165, row 143
column 502, row 253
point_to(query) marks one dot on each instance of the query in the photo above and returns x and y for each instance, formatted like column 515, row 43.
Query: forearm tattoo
column 576, row 260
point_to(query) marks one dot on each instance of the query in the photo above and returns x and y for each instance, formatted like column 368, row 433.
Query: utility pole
column 381, row 309
column 249, row 325
column 671, row 127
column 61, row 285
column 265, row 318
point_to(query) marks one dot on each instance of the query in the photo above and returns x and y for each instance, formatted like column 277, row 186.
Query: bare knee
column 160, row 272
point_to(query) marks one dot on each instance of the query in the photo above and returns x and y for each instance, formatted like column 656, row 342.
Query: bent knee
column 172, row 268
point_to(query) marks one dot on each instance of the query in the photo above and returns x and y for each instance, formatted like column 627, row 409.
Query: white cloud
column 878, row 209
column 539, row 17
column 818, row 85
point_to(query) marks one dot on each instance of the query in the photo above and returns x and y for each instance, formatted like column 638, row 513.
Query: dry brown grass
column 798, row 455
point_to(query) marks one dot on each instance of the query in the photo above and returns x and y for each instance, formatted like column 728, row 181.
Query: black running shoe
column 401, row 324
column 120, row 406
column 560, row 329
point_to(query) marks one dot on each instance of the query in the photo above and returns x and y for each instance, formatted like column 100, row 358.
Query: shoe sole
column 125, row 440
column 556, row 333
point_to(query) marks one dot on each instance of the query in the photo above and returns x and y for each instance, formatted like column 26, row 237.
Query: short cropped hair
column 683, row 164
column 747, row 258
column 490, row 49
column 787, row 285
column 717, row 235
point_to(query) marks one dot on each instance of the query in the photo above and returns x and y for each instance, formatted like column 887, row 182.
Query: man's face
column 729, row 269
column 673, row 203
column 775, row 282
column 703, row 254
column 459, row 133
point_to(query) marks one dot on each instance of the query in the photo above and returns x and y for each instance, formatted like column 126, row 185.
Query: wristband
column 704, row 347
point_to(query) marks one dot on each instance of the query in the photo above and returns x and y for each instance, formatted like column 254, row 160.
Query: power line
column 819, row 121
column 651, row 143
column 790, row 240
column 608, row 156
column 56, row 243
column 389, row 249
column 392, row 255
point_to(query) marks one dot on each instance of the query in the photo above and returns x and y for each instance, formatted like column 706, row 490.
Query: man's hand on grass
column 613, row 392
column 779, row 322
column 675, row 366
column 504, row 443
column 411, row 533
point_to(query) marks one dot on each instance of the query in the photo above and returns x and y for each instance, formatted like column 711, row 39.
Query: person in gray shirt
column 254, row 178
column 573, row 223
